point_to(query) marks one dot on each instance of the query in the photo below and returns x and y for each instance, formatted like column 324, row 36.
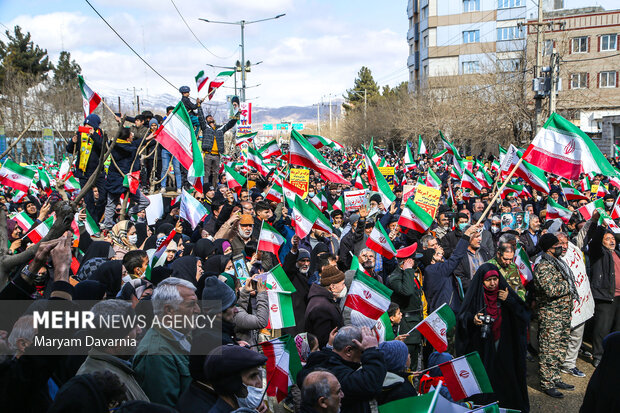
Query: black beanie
column 547, row 241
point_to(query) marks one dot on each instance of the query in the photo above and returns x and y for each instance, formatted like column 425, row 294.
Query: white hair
column 23, row 328
column 167, row 293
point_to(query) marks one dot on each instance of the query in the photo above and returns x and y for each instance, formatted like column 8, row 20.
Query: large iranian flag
column 530, row 173
column 280, row 310
column 302, row 216
column 301, row 152
column 177, row 135
column 466, row 376
column 270, row 149
column 555, row 210
column 437, row 326
column 283, row 365
column 522, row 261
column 269, row 239
column 563, row 149
column 15, row 176
column 201, row 80
column 218, row 81
column 90, row 100
column 368, row 296
column 415, row 217
column 380, row 242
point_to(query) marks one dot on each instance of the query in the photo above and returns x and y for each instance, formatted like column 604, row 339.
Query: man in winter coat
column 321, row 393
column 297, row 267
column 248, row 325
column 322, row 313
column 213, row 146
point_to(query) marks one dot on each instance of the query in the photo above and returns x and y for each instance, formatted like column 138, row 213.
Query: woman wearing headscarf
column 124, row 238
column 602, row 394
column 500, row 343
column 187, row 268
column 204, row 248
column 14, row 233
column 142, row 233
column 98, row 249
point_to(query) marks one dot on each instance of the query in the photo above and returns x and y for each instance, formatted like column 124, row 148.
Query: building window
column 425, row 42
column 424, row 13
column 580, row 44
column 425, row 71
column 471, row 67
column 579, row 80
column 509, row 33
column 411, row 22
column 506, row 4
column 609, row 42
column 509, row 65
column 471, row 36
column 471, row 5
column 607, row 79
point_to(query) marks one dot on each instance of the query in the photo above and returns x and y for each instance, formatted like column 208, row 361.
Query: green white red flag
column 283, row 365
column 301, row 152
column 270, row 149
column 280, row 310
column 90, row 100
column 465, row 376
column 41, row 230
column 14, row 176
column 555, row 210
column 432, row 180
column 320, row 141
column 380, row 242
column 421, row 146
column 509, row 189
column 218, row 81
column 587, row 210
column 383, row 328
column 90, row 224
column 437, row 326
column 449, row 147
column 201, row 80
column 572, row 194
column 522, row 261
column 469, row 181
column 255, row 160
column 234, row 179
column 270, row 239
column 378, row 183
column 302, row 216
column 23, row 220
column 368, row 296
column 563, row 149
column 191, row 209
column 530, row 173
column 409, row 161
column 131, row 181
column 277, row 280
column 437, row 157
column 415, row 217
column 275, row 193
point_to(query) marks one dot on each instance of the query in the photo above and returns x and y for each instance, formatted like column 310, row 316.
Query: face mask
column 311, row 194
column 342, row 293
column 252, row 400
column 463, row 226
column 494, row 229
column 557, row 252
column 133, row 239
column 609, row 204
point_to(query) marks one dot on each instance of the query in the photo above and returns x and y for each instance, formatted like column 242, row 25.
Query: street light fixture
column 242, row 24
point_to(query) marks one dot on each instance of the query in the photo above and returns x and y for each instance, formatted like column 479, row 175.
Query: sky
column 313, row 52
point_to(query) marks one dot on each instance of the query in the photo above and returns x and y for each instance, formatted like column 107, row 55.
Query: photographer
column 493, row 321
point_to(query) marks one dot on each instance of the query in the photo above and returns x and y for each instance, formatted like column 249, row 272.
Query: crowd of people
column 467, row 259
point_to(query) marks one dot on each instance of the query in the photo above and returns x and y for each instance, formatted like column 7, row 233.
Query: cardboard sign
column 388, row 174
column 300, row 178
column 427, row 198
column 354, row 200
column 408, row 191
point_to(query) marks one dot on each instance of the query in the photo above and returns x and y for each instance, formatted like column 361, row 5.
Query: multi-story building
column 587, row 41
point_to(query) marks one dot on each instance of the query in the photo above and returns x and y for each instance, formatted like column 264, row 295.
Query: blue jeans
column 165, row 159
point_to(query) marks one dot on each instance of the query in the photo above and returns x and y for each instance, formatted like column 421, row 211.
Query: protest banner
column 388, row 174
column 427, row 198
column 48, row 144
column 300, row 178
column 354, row 199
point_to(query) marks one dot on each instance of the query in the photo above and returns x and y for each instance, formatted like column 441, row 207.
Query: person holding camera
column 493, row 321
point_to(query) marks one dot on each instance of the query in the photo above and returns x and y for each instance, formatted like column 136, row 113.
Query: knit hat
column 331, row 275
column 547, row 241
column 303, row 254
column 93, row 120
column 394, row 355
column 216, row 291
column 153, row 122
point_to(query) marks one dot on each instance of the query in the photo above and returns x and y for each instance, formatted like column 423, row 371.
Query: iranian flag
column 356, row 266
column 466, row 376
column 275, row 193
column 283, row 365
column 449, row 147
column 378, row 183
column 277, row 280
column 379, row 242
column 357, row 181
column 131, row 181
column 615, row 210
column 302, row 216
column 421, row 146
column 383, row 328
column 270, row 149
column 415, row 217
column 432, row 180
column 23, row 220
column 191, row 209
column 301, row 152
column 91, row 225
column 90, row 100
column 270, row 239
column 321, row 223
column 159, row 257
column 469, row 181
column 245, row 138
column 218, row 81
column 41, row 230
column 291, row 190
column 572, row 194
column 587, row 210
column 555, row 210
column 437, row 326
column 601, row 191
column 319, row 141
column 408, row 160
column 484, row 178
column 585, row 184
column 201, row 80
column 437, row 157
column 455, row 173
column 563, row 149
column 509, row 189
column 255, row 160
column 280, row 310
column 177, row 136
column 234, row 179
column 338, row 204
column 368, row 296
column 45, row 180
column 14, row 176
column 522, row 261
column 615, row 181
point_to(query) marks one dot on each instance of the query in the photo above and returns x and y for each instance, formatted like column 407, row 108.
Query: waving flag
column 421, row 146
column 466, row 376
column 269, row 239
column 563, row 149
column 90, row 100
column 92, row 227
column 283, row 365
column 218, row 81
column 414, row 217
column 255, row 160
column 319, row 141
column 301, row 152
column 436, row 327
column 437, row 157
column 191, row 209
column 368, row 296
column 302, row 216
column 380, row 242
column 469, row 181
column 587, row 210
column 522, row 262
column 530, row 173
column 514, row 190
column 572, row 194
column 378, row 183
column 449, row 147
column 131, row 181
column 615, row 210
column 555, row 210
column 14, row 176
column 270, row 149
column 234, row 179
column 409, row 161
column 23, row 220
column 201, row 80
column 432, row 180
column 245, row 138
column 40, row 231
column 277, row 280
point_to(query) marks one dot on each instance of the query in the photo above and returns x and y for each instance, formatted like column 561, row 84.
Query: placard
column 300, row 178
column 388, row 174
column 408, row 191
column 584, row 308
column 354, row 200
column 48, row 145
column 427, row 198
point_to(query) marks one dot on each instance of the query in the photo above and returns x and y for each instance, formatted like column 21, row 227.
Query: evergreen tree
column 66, row 71
column 363, row 81
column 21, row 57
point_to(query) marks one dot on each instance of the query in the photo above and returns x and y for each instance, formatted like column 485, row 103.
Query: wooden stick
column 109, row 108
column 21, row 135
column 486, row 211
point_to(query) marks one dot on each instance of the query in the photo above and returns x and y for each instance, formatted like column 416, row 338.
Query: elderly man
column 161, row 362
column 321, row 393
column 504, row 260
column 243, row 234
column 367, row 259
column 323, row 313
column 297, row 265
column 554, row 296
column 529, row 238
column 475, row 257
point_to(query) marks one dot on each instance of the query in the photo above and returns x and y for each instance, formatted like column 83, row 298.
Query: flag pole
column 110, row 109
column 449, row 361
column 499, row 191
column 481, row 408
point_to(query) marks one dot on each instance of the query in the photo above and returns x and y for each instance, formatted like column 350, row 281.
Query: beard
column 303, row 269
column 244, row 234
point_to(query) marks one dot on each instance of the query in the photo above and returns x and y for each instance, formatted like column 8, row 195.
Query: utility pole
column 537, row 71
column 138, row 102
column 555, row 72
column 119, row 104
column 330, row 115
column 318, row 118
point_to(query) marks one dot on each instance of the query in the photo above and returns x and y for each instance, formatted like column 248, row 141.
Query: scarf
column 119, row 235
column 493, row 307
column 567, row 274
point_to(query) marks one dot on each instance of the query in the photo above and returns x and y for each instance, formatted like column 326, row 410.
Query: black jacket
column 347, row 244
column 449, row 241
column 123, row 154
column 93, row 160
column 300, row 296
column 322, row 314
column 208, row 134
column 602, row 270
column 398, row 387
column 530, row 247
column 463, row 270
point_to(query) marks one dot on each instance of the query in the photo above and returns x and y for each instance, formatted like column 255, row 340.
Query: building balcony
column 510, row 45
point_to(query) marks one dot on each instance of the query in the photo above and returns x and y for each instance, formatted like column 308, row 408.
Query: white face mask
column 252, row 400
column 133, row 239
column 609, row 204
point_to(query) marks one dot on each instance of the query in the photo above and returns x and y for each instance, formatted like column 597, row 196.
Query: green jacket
column 512, row 277
column 407, row 293
column 162, row 367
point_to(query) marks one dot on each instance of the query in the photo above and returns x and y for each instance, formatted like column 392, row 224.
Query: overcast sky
column 315, row 50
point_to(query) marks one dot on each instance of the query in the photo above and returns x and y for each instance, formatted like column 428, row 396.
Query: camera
column 485, row 329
